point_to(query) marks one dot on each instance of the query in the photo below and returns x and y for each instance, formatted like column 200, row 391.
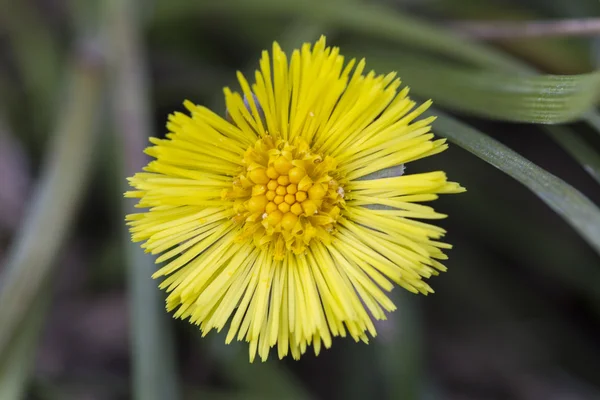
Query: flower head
column 283, row 221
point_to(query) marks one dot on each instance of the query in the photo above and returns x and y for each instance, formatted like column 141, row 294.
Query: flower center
column 287, row 196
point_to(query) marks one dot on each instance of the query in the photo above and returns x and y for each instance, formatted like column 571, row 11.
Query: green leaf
column 31, row 259
column 152, row 349
column 371, row 19
column 565, row 200
column 269, row 380
column 16, row 365
column 38, row 57
column 546, row 99
column 542, row 99
column 399, row 348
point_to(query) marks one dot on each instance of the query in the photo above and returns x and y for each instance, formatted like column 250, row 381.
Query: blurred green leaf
column 152, row 346
column 568, row 202
column 38, row 59
column 54, row 203
column 372, row 19
column 269, row 380
column 399, row 348
column 16, row 365
column 541, row 99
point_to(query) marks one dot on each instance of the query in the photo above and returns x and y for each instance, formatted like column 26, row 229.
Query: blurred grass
column 399, row 349
column 538, row 99
column 17, row 361
column 541, row 99
column 369, row 18
column 30, row 262
column 33, row 44
column 269, row 380
column 554, row 55
column 152, row 349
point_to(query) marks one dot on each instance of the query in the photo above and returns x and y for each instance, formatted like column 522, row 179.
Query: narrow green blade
column 565, row 200
column 516, row 97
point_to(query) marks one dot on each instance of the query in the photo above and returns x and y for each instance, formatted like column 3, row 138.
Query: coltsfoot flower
column 278, row 222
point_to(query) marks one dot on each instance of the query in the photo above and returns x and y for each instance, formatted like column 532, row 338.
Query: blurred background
column 84, row 83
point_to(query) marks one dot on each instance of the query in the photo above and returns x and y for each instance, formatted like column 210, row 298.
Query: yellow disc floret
column 287, row 196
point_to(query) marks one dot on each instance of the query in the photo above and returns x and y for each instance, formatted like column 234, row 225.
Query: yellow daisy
column 290, row 220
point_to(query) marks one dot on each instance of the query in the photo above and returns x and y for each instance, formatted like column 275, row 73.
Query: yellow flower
column 289, row 221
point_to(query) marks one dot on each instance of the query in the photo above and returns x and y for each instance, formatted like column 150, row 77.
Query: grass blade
column 34, row 44
column 15, row 367
column 268, row 380
column 565, row 200
column 546, row 99
column 541, row 99
column 399, row 349
column 153, row 358
column 48, row 218
column 370, row 19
